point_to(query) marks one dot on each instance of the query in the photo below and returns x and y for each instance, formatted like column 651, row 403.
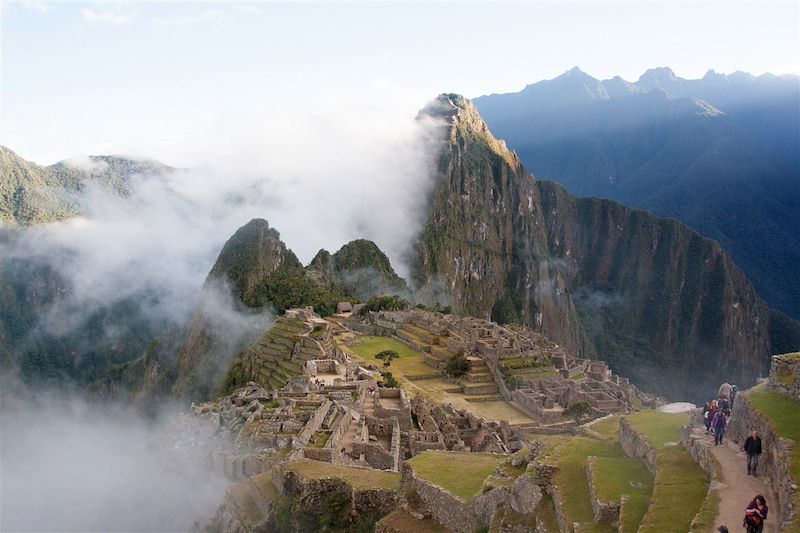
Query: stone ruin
column 784, row 375
column 513, row 363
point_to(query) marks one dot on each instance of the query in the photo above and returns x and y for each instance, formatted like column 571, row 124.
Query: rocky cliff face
column 657, row 301
column 246, row 261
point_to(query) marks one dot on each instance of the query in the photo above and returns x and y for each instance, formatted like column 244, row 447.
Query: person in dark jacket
column 756, row 507
column 752, row 447
column 707, row 415
column 720, row 424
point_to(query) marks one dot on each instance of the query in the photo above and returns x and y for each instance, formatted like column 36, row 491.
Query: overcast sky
column 174, row 80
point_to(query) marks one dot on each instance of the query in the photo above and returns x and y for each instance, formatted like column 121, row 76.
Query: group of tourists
column 717, row 412
column 755, row 514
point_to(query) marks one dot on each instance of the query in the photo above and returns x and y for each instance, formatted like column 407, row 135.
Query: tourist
column 720, row 424
column 725, row 406
column 707, row 414
column 752, row 447
column 725, row 391
column 755, row 515
column 734, row 392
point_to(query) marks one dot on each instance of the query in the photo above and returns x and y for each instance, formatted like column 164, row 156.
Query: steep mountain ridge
column 32, row 194
column 721, row 154
column 652, row 297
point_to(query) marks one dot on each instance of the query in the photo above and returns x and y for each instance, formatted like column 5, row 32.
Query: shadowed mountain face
column 656, row 300
column 721, row 154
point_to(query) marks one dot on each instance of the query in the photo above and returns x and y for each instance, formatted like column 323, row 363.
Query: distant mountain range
column 32, row 194
column 721, row 154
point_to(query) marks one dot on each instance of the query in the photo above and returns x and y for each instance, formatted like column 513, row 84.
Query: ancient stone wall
column 304, row 436
column 784, row 375
column 776, row 460
column 601, row 510
column 636, row 445
column 447, row 509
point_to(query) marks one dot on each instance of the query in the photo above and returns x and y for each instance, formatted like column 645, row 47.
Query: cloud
column 36, row 5
column 87, row 164
column 73, row 465
column 108, row 16
column 172, row 20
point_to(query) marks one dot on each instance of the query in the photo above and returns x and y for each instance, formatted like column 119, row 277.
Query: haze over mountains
column 721, row 154
column 656, row 300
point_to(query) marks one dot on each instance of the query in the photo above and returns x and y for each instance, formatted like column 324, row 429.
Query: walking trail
column 738, row 489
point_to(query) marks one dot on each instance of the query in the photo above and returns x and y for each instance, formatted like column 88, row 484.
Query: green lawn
column 410, row 362
column 783, row 414
column 615, row 477
column 608, row 428
column 681, row 485
column 570, row 457
column 460, row 473
column 359, row 478
column 679, row 492
column 658, row 428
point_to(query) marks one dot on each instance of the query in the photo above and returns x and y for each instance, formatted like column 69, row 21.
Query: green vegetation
column 387, row 356
column 783, row 414
column 615, row 477
column 608, row 428
column 457, row 365
column 359, row 478
column 385, row 303
column 680, row 485
column 436, row 308
column 293, row 287
column 319, row 439
column 389, row 381
column 577, row 410
column 409, row 363
column 658, row 428
column 570, row 457
column 447, row 470
column 679, row 492
column 505, row 312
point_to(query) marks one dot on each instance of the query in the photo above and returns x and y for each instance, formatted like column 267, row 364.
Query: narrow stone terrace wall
column 447, row 509
column 635, row 445
column 776, row 460
column 784, row 375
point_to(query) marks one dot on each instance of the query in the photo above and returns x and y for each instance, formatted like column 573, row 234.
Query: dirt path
column 738, row 488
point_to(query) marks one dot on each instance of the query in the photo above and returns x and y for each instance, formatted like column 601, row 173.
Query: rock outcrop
column 654, row 299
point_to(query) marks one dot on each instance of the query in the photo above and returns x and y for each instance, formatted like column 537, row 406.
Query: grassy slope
column 359, row 478
column 616, row 477
column 449, row 470
column 410, row 362
column 680, row 485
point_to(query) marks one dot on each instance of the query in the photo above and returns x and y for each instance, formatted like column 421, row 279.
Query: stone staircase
column 479, row 379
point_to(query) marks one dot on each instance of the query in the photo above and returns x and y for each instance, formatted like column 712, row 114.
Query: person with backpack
column 752, row 447
column 725, row 391
column 725, row 405
column 720, row 424
column 755, row 515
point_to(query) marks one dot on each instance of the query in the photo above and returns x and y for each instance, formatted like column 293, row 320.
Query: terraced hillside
column 281, row 353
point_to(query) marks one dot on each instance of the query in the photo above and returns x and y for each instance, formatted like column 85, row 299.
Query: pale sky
column 173, row 80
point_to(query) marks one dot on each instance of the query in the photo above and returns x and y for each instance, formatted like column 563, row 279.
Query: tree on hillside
column 457, row 365
column 577, row 410
column 388, row 380
column 387, row 356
